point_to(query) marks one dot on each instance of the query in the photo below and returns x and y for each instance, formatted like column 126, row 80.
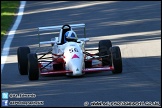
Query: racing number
column 73, row 50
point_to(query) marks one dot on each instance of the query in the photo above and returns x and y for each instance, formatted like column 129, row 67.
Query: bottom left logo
column 4, row 102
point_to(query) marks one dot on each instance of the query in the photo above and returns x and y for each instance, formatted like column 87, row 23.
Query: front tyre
column 33, row 70
column 116, row 59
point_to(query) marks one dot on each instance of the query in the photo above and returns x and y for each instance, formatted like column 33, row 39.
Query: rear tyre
column 104, row 46
column 33, row 70
column 116, row 59
column 22, row 58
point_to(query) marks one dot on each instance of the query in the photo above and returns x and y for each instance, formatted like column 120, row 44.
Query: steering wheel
column 65, row 26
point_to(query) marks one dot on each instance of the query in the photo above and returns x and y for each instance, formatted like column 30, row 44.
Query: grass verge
column 8, row 10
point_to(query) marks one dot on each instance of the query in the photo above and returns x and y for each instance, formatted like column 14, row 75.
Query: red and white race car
column 68, row 55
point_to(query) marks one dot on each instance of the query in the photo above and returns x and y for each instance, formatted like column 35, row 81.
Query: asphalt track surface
column 134, row 26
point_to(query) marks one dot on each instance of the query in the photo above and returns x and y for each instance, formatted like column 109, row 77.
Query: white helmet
column 70, row 36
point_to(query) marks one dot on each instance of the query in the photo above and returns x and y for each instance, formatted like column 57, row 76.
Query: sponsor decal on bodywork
column 75, row 56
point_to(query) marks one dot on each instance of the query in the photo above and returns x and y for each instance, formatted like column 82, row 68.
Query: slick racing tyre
column 22, row 58
column 33, row 70
column 104, row 46
column 116, row 59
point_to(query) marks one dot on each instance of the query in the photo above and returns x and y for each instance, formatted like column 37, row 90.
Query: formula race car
column 68, row 55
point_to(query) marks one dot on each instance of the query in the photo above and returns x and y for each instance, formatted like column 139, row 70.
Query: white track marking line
column 6, row 47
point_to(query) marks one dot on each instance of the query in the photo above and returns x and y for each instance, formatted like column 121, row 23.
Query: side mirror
column 83, row 39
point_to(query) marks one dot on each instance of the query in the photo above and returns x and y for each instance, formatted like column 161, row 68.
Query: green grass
column 8, row 10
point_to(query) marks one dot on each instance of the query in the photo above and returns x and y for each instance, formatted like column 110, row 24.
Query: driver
column 70, row 36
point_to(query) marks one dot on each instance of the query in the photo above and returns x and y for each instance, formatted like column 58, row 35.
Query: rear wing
column 59, row 27
column 49, row 28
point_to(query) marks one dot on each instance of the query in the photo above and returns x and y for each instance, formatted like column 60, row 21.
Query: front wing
column 86, row 70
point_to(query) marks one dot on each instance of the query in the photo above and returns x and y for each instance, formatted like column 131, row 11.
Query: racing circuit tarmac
column 134, row 26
